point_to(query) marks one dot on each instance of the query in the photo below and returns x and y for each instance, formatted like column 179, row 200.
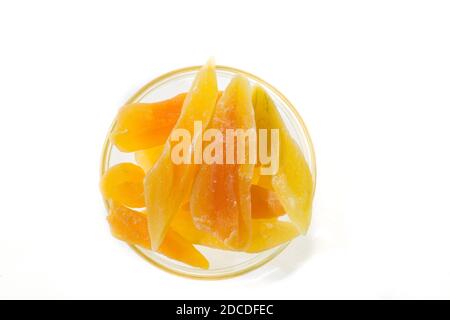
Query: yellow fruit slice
column 168, row 184
column 176, row 247
column 293, row 183
column 123, row 184
column 220, row 200
column 148, row 157
column 270, row 233
column 131, row 226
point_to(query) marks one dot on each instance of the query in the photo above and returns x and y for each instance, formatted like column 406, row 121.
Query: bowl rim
column 106, row 153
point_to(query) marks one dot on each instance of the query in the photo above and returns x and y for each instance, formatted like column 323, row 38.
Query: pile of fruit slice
column 175, row 208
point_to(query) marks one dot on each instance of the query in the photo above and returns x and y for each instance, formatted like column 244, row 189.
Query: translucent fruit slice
column 220, row 202
column 145, row 125
column 266, row 233
column 148, row 157
column 131, row 226
column 168, row 184
column 123, row 184
column 265, row 204
column 270, row 233
column 293, row 183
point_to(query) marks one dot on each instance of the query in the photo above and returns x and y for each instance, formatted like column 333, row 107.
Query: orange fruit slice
column 220, row 202
column 145, row 125
column 131, row 226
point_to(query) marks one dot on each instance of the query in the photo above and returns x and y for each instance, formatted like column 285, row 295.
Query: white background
column 370, row 78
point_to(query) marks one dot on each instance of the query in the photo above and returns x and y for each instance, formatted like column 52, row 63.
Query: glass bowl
column 223, row 264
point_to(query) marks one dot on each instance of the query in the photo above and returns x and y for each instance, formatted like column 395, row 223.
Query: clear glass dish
column 223, row 264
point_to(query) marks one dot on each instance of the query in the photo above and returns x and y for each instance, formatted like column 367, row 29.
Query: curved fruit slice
column 168, row 184
column 266, row 233
column 176, row 247
column 148, row 157
column 124, row 184
column 145, row 125
column 131, row 226
column 220, row 200
column 265, row 204
column 293, row 183
column 269, row 233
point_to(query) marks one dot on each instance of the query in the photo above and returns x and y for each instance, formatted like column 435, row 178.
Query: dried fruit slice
column 168, row 184
column 220, row 201
column 293, row 183
column 148, row 157
column 265, row 204
column 145, row 125
column 266, row 233
column 270, row 233
column 131, row 226
column 123, row 184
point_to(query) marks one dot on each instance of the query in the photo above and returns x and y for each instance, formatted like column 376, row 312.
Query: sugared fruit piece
column 220, row 202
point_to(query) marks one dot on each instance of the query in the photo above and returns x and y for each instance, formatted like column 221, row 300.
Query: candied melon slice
column 265, row 204
column 145, row 125
column 131, row 226
column 124, row 184
column 148, row 157
column 168, row 184
column 293, row 183
column 266, row 233
column 220, row 200
column 270, row 233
